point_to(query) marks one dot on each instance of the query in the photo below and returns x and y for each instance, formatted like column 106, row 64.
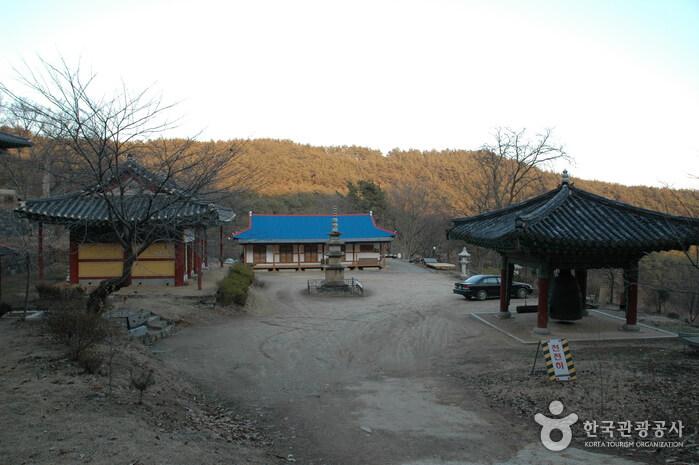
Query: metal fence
column 352, row 286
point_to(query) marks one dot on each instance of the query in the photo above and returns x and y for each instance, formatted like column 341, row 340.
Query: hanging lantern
column 565, row 302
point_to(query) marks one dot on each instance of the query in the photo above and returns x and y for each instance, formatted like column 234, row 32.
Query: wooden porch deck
column 302, row 266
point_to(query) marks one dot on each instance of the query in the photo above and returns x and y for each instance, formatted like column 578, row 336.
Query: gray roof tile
column 568, row 219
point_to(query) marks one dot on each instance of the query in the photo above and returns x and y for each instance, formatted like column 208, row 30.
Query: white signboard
column 559, row 360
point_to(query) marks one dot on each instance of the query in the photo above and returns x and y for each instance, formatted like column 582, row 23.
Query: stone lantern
column 464, row 261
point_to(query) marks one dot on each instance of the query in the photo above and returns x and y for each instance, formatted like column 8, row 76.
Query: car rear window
column 473, row 279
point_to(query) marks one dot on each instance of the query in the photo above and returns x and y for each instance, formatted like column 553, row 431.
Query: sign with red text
column 559, row 360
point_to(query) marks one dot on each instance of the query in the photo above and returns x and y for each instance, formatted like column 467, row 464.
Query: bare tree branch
column 100, row 137
column 512, row 166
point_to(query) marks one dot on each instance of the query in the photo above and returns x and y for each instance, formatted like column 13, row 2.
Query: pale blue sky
column 618, row 81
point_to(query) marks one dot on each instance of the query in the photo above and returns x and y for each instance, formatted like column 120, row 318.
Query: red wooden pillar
column 40, row 252
column 205, row 248
column 542, row 318
column 631, row 284
column 197, row 262
column 195, row 254
column 190, row 258
column 179, row 262
column 504, row 298
column 220, row 246
column 510, row 277
column 73, row 261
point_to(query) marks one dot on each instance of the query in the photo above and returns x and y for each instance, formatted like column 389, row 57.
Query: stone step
column 154, row 335
column 155, row 322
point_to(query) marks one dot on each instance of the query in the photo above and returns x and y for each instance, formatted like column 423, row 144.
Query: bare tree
column 100, row 137
column 690, row 298
column 418, row 220
column 692, row 211
column 512, row 166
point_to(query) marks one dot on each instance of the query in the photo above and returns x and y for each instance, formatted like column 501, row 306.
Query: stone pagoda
column 334, row 269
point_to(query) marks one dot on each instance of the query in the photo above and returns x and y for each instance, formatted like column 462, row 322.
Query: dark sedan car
column 483, row 286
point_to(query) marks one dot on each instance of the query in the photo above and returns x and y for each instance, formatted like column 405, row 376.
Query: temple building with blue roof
column 298, row 242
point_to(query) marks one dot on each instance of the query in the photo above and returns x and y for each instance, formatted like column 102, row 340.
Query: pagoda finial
column 565, row 177
column 335, row 227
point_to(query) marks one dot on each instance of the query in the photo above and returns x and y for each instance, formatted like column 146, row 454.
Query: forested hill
column 446, row 179
column 286, row 176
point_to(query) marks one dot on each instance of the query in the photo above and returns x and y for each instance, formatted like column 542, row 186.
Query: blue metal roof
column 311, row 228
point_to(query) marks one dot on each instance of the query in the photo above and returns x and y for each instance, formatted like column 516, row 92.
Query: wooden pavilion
column 177, row 221
column 571, row 229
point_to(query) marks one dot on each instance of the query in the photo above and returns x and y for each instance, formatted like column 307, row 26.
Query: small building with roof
column 177, row 221
column 569, row 229
column 275, row 242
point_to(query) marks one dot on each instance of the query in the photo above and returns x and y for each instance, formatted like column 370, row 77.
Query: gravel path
column 364, row 380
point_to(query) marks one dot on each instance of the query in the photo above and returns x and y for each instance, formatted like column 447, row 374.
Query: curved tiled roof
column 157, row 200
column 10, row 141
column 311, row 228
column 571, row 219
column 94, row 208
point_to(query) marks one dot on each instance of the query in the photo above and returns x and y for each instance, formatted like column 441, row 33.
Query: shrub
column 60, row 296
column 142, row 380
column 77, row 329
column 245, row 271
column 91, row 361
column 234, row 287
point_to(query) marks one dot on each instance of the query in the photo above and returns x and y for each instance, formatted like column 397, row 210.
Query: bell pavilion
column 567, row 231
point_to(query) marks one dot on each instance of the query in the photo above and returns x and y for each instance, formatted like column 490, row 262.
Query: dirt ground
column 405, row 376
column 51, row 412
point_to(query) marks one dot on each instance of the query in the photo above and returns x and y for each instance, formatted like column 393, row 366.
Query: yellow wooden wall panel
column 159, row 250
column 99, row 269
column 153, row 268
column 100, row 251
